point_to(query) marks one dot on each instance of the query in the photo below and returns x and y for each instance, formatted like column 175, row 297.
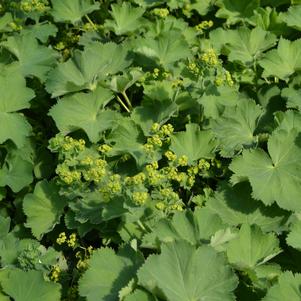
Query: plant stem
column 91, row 22
column 141, row 225
column 126, row 99
column 123, row 104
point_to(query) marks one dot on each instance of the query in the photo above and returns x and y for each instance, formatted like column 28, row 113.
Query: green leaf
column 120, row 83
column 127, row 137
column 42, row 31
column 185, row 273
column 85, row 111
column 4, row 297
column 270, row 20
column 246, row 46
column 72, row 10
column 293, row 238
column 139, row 295
column 5, row 20
column 43, row 208
column 14, row 96
column 287, row 288
column 202, row 7
column 235, row 128
column 215, row 99
column 29, row 286
column 16, row 172
column 16, row 128
column 9, row 248
column 193, row 143
column 34, row 59
column 85, row 68
column 166, row 49
column 235, row 11
column 288, row 120
column 235, row 206
column 126, row 18
column 4, row 226
column 194, row 227
column 293, row 94
column 293, row 17
column 252, row 248
column 152, row 111
column 283, row 61
column 276, row 177
column 118, row 269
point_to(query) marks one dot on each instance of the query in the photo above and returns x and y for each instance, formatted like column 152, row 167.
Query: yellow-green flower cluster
column 136, row 180
column 62, row 239
column 193, row 68
column 155, row 140
column 15, row 27
column 88, row 27
column 95, row 173
column 183, row 160
column 156, row 73
column 83, row 258
column 60, row 46
column 66, row 175
column 168, row 193
column 148, row 148
column 160, row 135
column 210, row 57
column 104, row 148
column 177, row 83
column 229, row 79
column 55, row 274
column 177, row 207
column 203, row 164
column 160, row 206
column 216, row 163
column 204, row 25
column 166, row 129
column 114, row 184
column 170, row 172
column 87, row 161
column 171, row 156
column 29, row 6
column 225, row 78
column 71, row 242
column 219, row 80
column 66, row 144
column 155, row 127
column 140, row 197
column 160, row 12
column 70, row 144
column 154, row 177
column 186, row 9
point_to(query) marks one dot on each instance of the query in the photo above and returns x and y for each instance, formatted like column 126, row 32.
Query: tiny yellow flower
column 183, row 160
column 72, row 240
column 170, row 155
column 61, row 239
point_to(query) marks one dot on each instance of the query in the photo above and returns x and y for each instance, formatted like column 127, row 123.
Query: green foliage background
column 150, row 150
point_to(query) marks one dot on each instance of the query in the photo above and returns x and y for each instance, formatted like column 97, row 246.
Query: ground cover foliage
column 150, row 150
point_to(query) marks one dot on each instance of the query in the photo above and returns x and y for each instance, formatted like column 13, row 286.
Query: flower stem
column 126, row 99
column 91, row 22
column 123, row 104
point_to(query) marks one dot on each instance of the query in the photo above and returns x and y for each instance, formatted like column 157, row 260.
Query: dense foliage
column 150, row 150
